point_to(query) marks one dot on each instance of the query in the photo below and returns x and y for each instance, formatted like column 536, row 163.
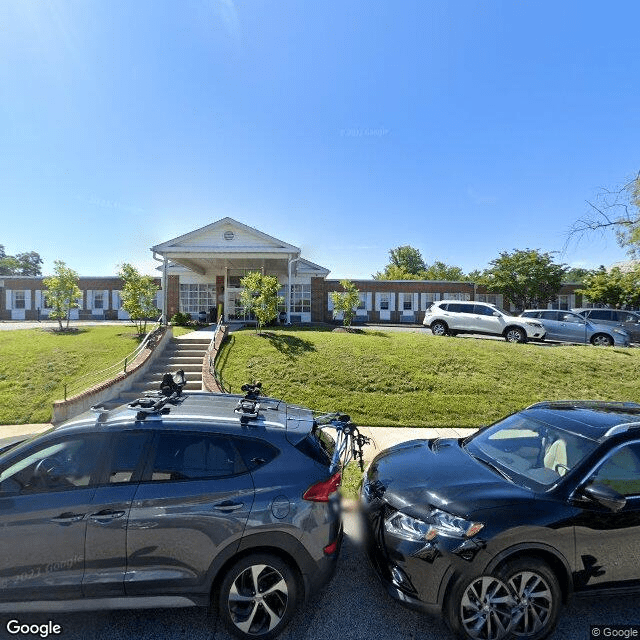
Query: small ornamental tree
column 62, row 293
column 345, row 302
column 137, row 296
column 260, row 297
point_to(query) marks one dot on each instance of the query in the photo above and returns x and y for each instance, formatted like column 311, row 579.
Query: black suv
column 177, row 500
column 496, row 531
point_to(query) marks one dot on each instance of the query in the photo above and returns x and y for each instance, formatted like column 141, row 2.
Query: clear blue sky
column 347, row 128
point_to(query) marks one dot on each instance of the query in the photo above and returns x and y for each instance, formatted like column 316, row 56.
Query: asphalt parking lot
column 353, row 606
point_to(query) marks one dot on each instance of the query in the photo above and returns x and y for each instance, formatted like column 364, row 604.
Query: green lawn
column 414, row 379
column 34, row 365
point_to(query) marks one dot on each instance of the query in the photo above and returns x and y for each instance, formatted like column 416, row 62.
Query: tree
column 613, row 287
column 137, row 296
column 576, row 274
column 441, row 271
column 614, row 209
column 63, row 292
column 405, row 263
column 346, row 301
column 23, row 264
column 526, row 277
column 260, row 296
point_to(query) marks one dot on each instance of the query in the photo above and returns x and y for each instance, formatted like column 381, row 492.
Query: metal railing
column 94, row 378
column 212, row 356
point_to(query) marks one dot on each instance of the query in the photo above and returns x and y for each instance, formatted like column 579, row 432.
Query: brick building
column 201, row 273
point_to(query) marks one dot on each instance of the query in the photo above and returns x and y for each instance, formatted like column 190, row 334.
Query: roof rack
column 249, row 406
column 154, row 403
column 586, row 404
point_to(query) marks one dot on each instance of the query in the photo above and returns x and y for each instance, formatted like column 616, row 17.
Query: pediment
column 226, row 236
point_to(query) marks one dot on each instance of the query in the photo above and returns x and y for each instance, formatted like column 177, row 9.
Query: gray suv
column 626, row 320
column 192, row 499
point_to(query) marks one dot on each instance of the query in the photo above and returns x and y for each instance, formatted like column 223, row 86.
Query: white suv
column 448, row 317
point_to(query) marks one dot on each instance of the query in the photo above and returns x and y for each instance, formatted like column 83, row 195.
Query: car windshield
column 532, row 453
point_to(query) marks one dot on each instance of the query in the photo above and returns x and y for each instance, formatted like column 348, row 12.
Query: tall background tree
column 526, row 277
column 345, row 302
column 613, row 287
column 616, row 210
column 406, row 263
column 22, row 264
column 137, row 296
column 63, row 292
column 260, row 296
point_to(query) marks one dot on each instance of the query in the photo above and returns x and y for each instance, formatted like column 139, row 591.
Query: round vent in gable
column 229, row 235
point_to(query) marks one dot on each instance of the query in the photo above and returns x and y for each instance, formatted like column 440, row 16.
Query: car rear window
column 318, row 446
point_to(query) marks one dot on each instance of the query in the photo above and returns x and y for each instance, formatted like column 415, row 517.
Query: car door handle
column 228, row 506
column 68, row 518
column 106, row 515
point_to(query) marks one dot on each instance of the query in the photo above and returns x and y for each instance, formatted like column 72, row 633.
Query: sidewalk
column 382, row 437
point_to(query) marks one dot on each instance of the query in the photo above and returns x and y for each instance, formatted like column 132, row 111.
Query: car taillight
column 321, row 491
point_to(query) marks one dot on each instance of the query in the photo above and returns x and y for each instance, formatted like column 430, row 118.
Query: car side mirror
column 604, row 495
column 496, row 313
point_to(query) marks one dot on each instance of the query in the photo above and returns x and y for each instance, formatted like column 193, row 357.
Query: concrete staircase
column 184, row 352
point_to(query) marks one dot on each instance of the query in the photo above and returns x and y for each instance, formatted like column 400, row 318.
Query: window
column 482, row 309
column 548, row 315
column 98, row 300
column 407, row 301
column 19, row 300
column 456, row 296
column 234, row 277
column 300, row 298
column 363, row 300
column 491, row 298
column 600, row 314
column 127, row 457
column 195, row 456
column 255, row 453
column 384, row 301
column 621, row 471
column 58, row 466
column 197, row 297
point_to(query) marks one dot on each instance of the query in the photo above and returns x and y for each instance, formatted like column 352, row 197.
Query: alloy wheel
column 486, row 609
column 534, row 603
column 257, row 599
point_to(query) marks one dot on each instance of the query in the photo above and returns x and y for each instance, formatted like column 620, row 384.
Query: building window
column 300, row 298
column 407, row 301
column 384, row 301
column 19, row 300
column 98, row 300
column 234, row 277
column 490, row 298
column 363, row 301
column 456, row 296
column 197, row 297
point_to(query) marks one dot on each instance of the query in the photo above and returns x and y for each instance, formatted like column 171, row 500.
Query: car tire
column 601, row 340
column 522, row 600
column 537, row 594
column 258, row 596
column 439, row 328
column 515, row 334
column 480, row 608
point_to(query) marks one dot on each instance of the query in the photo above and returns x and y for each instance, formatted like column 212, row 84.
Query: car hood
column 414, row 475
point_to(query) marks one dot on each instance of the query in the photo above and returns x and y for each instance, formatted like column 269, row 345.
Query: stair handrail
column 212, row 353
column 93, row 378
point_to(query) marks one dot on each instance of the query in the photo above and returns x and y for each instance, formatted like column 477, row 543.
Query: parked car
column 496, row 531
column 567, row 326
column 203, row 499
column 627, row 320
column 446, row 317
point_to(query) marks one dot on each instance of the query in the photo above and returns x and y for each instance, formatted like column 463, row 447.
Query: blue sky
column 462, row 128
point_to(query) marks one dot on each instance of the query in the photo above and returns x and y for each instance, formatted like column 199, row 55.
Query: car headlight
column 533, row 323
column 440, row 523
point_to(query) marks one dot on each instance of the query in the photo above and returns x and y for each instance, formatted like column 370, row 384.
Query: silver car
column 627, row 320
column 567, row 326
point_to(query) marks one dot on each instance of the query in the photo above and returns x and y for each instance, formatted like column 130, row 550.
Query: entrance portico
column 210, row 262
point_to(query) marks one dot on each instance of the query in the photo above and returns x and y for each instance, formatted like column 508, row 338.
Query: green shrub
column 181, row 319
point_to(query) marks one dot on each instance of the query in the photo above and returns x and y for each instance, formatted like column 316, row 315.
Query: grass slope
column 415, row 379
column 34, row 365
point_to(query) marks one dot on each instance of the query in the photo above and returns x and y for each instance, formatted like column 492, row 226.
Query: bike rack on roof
column 249, row 406
column 154, row 403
